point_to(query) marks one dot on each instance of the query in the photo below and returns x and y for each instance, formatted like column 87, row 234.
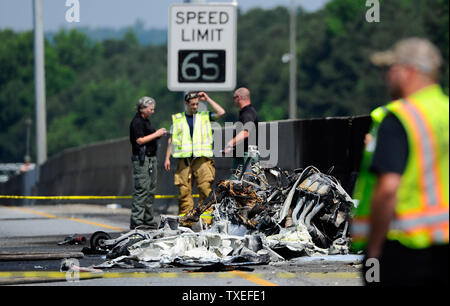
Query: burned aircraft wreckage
column 266, row 215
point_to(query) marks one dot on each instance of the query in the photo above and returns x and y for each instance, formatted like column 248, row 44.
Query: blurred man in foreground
column 402, row 219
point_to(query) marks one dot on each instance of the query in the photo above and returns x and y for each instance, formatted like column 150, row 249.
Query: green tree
column 93, row 86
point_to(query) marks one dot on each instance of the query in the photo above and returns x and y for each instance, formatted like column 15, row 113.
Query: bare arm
column 241, row 136
column 383, row 210
column 237, row 139
column 168, row 152
column 216, row 107
column 169, row 148
column 148, row 138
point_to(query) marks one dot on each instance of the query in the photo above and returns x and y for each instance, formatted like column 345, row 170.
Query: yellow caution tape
column 84, row 197
column 63, row 197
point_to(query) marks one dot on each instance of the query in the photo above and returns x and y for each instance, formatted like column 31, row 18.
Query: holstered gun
column 142, row 150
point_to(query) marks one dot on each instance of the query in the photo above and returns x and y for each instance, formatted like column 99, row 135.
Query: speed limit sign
column 202, row 47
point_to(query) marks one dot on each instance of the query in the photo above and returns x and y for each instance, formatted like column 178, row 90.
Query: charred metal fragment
column 267, row 215
column 308, row 197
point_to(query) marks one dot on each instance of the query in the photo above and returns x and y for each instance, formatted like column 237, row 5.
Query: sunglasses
column 189, row 96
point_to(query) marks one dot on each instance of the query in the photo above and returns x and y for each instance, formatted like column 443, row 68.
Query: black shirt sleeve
column 248, row 115
column 141, row 128
column 138, row 129
column 391, row 151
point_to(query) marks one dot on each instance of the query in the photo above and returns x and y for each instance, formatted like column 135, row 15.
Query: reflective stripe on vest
column 201, row 144
column 422, row 216
column 432, row 193
column 360, row 226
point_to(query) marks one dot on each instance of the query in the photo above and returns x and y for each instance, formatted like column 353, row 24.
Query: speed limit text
column 202, row 18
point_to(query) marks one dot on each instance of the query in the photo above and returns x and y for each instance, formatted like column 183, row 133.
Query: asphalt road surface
column 30, row 255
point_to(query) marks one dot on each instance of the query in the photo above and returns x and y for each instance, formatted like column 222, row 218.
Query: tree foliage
column 92, row 86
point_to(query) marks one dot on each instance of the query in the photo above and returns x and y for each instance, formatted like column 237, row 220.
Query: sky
column 17, row 14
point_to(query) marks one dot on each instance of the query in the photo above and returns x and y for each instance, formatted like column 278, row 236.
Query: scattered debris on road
column 268, row 215
column 74, row 239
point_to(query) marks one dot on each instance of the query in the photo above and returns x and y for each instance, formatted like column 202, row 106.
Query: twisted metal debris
column 309, row 199
column 267, row 215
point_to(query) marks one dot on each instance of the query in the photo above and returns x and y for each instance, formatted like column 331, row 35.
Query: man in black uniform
column 244, row 142
column 143, row 139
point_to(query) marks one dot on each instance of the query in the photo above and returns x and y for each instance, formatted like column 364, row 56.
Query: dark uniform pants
column 144, row 192
column 402, row 266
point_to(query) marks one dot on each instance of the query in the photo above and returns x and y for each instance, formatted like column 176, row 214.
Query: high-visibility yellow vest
column 422, row 210
column 201, row 143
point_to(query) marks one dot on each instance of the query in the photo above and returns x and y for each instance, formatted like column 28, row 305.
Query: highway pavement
column 30, row 255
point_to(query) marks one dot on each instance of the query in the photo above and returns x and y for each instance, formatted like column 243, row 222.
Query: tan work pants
column 202, row 170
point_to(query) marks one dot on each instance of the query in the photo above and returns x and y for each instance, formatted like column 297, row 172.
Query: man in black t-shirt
column 143, row 139
column 392, row 148
column 244, row 142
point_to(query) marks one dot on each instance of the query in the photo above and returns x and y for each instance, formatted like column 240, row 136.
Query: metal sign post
column 39, row 76
column 293, row 64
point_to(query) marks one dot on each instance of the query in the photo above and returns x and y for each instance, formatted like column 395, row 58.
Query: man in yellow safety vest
column 402, row 192
column 191, row 144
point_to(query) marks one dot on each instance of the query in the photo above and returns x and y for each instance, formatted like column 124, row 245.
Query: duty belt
column 136, row 157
